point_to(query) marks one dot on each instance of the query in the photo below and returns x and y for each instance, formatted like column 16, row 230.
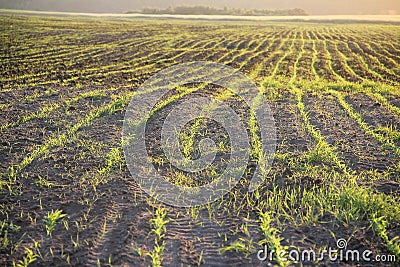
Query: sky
column 313, row 7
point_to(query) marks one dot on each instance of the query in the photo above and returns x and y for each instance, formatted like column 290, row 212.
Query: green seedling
column 51, row 220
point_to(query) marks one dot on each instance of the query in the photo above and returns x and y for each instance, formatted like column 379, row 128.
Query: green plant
column 114, row 160
column 5, row 229
column 240, row 245
column 29, row 258
column 158, row 228
column 272, row 238
column 379, row 225
column 51, row 220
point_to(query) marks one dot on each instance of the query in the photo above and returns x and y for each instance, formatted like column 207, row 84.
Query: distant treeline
column 207, row 10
